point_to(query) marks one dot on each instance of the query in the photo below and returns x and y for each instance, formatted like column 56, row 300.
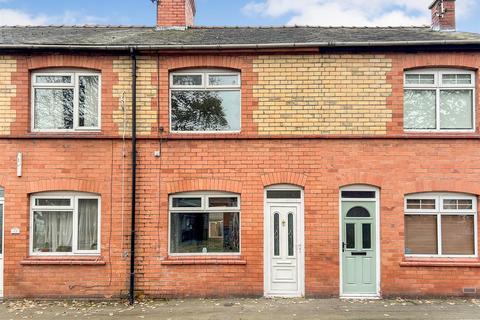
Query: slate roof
column 120, row 37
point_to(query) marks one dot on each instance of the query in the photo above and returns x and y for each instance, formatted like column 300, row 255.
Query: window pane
column 87, row 224
column 187, row 80
column 358, row 194
column 1, row 228
column 205, row 232
column 290, row 236
column 53, row 109
column 367, row 236
column 421, row 234
column 276, row 234
column 88, row 101
column 456, row 109
column 423, row 204
column 284, row 194
column 229, row 202
column 205, row 110
column 52, row 231
column 420, row 79
column 52, row 202
column 187, row 202
column 458, row 235
column 224, row 80
column 350, row 235
column 53, row 79
column 2, row 192
column 456, row 79
column 457, row 204
column 419, row 111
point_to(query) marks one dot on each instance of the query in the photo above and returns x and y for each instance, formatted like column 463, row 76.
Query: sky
column 237, row 12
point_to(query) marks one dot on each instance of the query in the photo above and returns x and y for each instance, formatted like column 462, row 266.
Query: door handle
column 343, row 246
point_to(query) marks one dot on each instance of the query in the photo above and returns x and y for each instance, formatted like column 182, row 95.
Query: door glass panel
column 276, row 234
column 1, row 229
column 290, row 235
column 358, row 212
column 284, row 194
column 350, row 236
column 358, row 194
column 367, row 235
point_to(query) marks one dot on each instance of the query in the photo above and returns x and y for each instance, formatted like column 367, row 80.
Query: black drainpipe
column 134, row 174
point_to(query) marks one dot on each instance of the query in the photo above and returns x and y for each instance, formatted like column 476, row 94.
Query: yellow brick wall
column 322, row 94
column 8, row 65
column 146, row 94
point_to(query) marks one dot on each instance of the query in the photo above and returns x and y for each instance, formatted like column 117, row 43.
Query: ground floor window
column 204, row 223
column 440, row 224
column 65, row 224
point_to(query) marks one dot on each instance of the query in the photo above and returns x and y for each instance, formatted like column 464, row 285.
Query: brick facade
column 320, row 121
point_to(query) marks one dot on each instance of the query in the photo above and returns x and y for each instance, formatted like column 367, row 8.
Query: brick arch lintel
column 64, row 61
column 441, row 186
column 3, row 181
column 64, row 185
column 227, row 62
column 360, row 178
column 293, row 178
column 204, row 185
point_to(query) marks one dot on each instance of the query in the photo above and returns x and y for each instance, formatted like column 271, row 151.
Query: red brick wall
column 321, row 165
column 65, row 165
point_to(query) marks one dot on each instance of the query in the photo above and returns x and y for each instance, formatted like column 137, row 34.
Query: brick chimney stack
column 443, row 15
column 175, row 13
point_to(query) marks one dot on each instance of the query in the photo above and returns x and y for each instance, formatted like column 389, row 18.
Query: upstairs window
column 65, row 101
column 204, row 223
column 439, row 100
column 65, row 224
column 441, row 225
column 205, row 101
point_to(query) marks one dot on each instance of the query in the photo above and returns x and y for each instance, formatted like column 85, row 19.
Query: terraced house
column 177, row 160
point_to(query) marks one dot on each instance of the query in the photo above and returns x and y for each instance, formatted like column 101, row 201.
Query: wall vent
column 469, row 290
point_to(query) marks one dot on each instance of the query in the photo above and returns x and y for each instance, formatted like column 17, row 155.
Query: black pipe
column 134, row 175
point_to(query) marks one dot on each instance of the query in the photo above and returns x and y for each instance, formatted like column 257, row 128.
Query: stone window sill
column 64, row 261
column 453, row 263
column 185, row 261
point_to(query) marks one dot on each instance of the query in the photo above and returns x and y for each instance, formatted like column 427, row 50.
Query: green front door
column 359, row 248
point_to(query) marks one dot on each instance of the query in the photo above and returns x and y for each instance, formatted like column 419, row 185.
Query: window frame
column 205, row 73
column 75, row 75
column 204, row 209
column 439, row 212
column 438, row 86
column 74, row 196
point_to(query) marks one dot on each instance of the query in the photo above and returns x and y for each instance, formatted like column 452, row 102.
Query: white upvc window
column 205, row 101
column 439, row 100
column 204, row 223
column 65, row 223
column 66, row 101
column 441, row 225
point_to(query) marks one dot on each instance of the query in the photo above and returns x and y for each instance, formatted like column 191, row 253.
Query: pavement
column 256, row 309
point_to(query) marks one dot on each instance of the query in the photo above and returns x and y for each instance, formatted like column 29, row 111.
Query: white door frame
column 300, row 237
column 360, row 187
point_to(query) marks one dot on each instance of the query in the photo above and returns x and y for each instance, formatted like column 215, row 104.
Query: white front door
column 284, row 270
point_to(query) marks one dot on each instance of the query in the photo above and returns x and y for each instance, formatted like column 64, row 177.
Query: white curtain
column 87, row 224
column 53, row 231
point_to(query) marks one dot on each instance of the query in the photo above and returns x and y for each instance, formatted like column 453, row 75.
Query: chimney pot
column 175, row 14
column 443, row 15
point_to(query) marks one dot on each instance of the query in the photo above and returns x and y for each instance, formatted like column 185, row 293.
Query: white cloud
column 350, row 12
column 18, row 17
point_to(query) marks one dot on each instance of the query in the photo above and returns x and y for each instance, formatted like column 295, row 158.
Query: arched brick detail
column 360, row 178
column 441, row 186
column 204, row 185
column 284, row 178
column 64, row 185
column 64, row 61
